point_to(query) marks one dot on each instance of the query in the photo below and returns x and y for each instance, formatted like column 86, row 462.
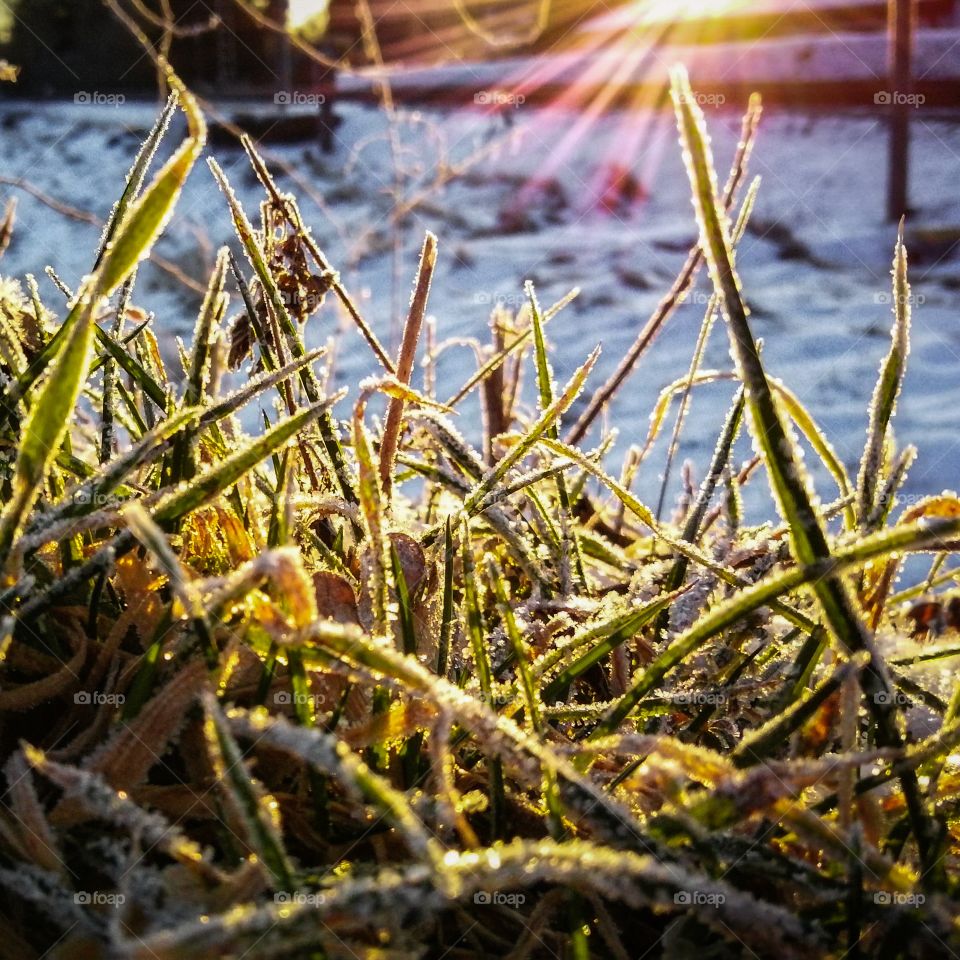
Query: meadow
column 353, row 686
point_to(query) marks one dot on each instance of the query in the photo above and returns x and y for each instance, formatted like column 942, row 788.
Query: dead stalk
column 408, row 350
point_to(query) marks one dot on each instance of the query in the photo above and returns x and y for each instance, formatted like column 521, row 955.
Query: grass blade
column 408, row 350
column 220, row 476
column 540, row 429
column 884, row 402
column 256, row 810
column 787, row 478
column 47, row 423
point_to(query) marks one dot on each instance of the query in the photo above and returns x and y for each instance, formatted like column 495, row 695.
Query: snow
column 815, row 267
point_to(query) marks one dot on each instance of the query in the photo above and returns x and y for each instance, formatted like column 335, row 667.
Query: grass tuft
column 359, row 688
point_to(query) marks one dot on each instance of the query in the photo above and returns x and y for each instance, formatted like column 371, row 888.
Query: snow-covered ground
column 530, row 199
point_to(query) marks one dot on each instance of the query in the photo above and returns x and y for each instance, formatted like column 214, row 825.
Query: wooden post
column 901, row 16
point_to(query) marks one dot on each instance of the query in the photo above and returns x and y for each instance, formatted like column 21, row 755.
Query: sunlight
column 616, row 62
column 660, row 10
column 301, row 12
column 699, row 8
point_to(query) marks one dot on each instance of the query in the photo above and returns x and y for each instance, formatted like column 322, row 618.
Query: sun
column 696, row 8
column 301, row 12
column 689, row 9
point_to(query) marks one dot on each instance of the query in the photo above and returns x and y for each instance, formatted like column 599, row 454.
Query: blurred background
column 536, row 139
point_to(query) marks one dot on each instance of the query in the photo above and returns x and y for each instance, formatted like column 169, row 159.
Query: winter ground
column 528, row 197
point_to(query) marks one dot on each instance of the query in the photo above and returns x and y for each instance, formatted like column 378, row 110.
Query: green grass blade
column 888, row 543
column 447, row 614
column 484, row 673
column 540, row 429
column 694, row 520
column 211, row 315
column 134, row 368
column 137, row 174
column 408, row 634
column 256, row 810
column 884, row 402
column 145, row 219
column 787, row 479
column 371, row 506
column 220, row 476
column 781, row 458
column 48, row 421
column 818, row 440
column 758, row 744
column 545, row 384
column 610, row 636
column 531, row 695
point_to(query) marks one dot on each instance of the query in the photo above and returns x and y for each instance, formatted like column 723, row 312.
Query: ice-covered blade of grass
column 51, row 410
